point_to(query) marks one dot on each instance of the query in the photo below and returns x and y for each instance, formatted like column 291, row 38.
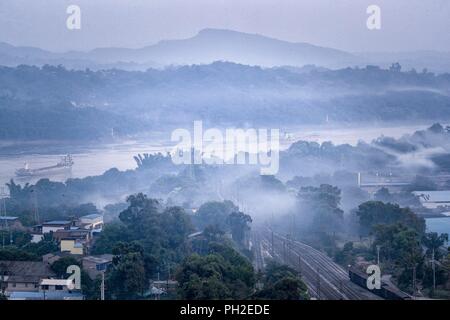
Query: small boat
column 66, row 163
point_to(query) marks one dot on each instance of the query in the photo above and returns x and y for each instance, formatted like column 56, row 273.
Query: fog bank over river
column 95, row 159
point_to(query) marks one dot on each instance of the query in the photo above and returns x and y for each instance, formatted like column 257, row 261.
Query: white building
column 434, row 199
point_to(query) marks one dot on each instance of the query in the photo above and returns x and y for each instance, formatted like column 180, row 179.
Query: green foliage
column 214, row 213
column 323, row 204
column 12, row 253
column 222, row 274
column 47, row 245
column 59, row 267
column 111, row 234
column 345, row 256
column 239, row 224
column 19, row 238
column 399, row 244
column 282, row 283
column 373, row 213
column 127, row 278
column 433, row 241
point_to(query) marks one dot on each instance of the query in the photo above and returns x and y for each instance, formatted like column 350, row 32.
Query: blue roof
column 8, row 218
column 57, row 222
column 49, row 295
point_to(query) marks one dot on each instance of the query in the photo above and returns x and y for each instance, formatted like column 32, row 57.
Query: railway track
column 325, row 279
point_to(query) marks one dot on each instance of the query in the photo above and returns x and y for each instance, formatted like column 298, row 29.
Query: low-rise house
column 36, row 237
column 95, row 265
column 42, row 295
column 56, row 285
column 50, row 289
column 23, row 275
column 36, row 234
column 72, row 246
column 74, row 241
column 76, row 234
column 91, row 222
column 53, row 226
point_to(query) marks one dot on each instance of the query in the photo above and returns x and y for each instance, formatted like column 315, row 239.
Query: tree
column 323, row 203
column 127, row 278
column 239, row 226
column 433, row 241
column 372, row 213
column 214, row 213
column 400, row 244
column 59, row 267
column 221, row 274
column 282, row 283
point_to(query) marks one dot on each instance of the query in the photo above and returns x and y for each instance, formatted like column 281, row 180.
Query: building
column 75, row 234
column 53, row 226
column 91, row 222
column 20, row 276
column 434, row 199
column 56, row 285
column 72, row 246
column 50, row 289
column 42, row 295
column 95, row 265
column 75, row 241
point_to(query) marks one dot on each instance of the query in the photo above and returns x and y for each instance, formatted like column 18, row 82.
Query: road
column 325, row 279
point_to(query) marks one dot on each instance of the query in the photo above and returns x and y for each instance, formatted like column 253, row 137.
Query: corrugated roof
column 48, row 295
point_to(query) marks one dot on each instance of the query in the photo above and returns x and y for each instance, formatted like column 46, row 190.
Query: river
column 95, row 159
column 439, row 225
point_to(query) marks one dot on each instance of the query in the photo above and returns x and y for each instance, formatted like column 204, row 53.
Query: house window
column 45, row 287
column 14, row 285
column 58, row 287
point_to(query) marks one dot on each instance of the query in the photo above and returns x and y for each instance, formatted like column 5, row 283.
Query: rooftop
column 28, row 271
column 56, row 282
column 104, row 258
column 433, row 196
column 50, row 295
column 8, row 218
column 92, row 216
column 57, row 222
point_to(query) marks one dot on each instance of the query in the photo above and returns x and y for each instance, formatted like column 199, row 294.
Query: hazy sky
column 341, row 24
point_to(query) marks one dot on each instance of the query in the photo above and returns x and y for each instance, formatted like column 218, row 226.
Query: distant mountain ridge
column 211, row 45
column 207, row 46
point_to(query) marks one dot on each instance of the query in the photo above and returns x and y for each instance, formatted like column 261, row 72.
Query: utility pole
column 273, row 250
column 414, row 282
column 378, row 255
column 318, row 284
column 102, row 287
column 434, row 272
column 3, row 210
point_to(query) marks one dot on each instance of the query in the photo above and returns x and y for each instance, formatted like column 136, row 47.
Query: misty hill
column 207, row 46
column 219, row 94
column 211, row 45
